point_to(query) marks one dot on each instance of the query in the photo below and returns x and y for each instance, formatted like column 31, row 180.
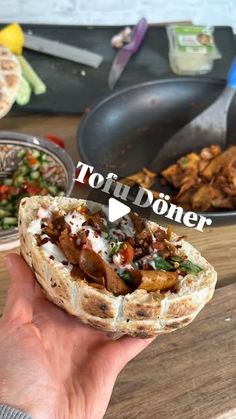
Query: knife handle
column 137, row 36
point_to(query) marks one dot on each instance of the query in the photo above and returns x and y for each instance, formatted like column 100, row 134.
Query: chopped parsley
column 160, row 263
column 115, row 247
column 125, row 275
column 188, row 266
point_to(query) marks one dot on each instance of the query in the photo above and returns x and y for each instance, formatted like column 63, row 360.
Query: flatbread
column 10, row 79
column 141, row 314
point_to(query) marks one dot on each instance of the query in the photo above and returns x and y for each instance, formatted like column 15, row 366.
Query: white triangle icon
column 116, row 209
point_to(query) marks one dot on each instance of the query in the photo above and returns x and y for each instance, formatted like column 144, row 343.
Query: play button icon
column 116, row 209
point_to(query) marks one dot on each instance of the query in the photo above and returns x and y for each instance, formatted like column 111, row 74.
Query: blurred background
column 114, row 12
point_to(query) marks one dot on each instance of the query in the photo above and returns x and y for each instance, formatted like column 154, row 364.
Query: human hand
column 53, row 366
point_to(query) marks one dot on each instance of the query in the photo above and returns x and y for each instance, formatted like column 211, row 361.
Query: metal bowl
column 10, row 143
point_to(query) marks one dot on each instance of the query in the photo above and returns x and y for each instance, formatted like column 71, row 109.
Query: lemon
column 12, row 37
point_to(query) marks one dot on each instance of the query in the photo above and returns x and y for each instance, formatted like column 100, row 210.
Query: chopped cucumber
column 24, row 170
column 36, row 153
column 19, row 180
column 35, row 166
column 44, row 157
column 4, row 213
column 61, row 193
column 7, row 181
column 4, row 202
column 24, row 93
column 34, row 175
column 52, row 189
column 5, row 227
column 9, row 221
column 43, row 183
column 21, row 153
column 37, row 84
column 9, row 207
column 44, row 165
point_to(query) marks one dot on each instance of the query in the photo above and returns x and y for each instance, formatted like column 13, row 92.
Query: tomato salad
column 37, row 174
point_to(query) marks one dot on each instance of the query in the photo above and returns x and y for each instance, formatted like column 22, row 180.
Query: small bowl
column 15, row 141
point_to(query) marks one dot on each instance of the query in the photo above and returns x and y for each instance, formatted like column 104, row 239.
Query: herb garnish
column 188, row 266
column 125, row 275
column 161, row 264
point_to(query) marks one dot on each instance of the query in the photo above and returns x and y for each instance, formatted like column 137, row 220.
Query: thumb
column 20, row 296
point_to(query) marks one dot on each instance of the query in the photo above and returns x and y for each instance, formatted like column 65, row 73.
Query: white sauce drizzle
column 43, row 213
column 124, row 228
column 51, row 249
column 75, row 221
column 35, row 227
column 99, row 244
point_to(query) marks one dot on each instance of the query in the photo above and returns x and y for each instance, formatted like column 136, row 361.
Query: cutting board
column 73, row 87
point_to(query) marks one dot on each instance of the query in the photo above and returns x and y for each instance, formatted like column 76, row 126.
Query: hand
column 51, row 365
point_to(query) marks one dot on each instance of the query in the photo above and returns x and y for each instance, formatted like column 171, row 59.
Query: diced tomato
column 4, row 189
column 31, row 159
column 56, row 140
column 32, row 189
column 127, row 253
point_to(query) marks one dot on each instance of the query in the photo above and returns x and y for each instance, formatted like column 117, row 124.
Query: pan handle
column 231, row 79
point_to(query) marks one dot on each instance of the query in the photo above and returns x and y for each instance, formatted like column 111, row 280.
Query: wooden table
column 190, row 373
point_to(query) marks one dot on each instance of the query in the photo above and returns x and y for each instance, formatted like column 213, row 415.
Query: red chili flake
column 64, row 262
column 51, row 257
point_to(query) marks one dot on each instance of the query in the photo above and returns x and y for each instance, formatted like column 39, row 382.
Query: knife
column 59, row 49
column 123, row 56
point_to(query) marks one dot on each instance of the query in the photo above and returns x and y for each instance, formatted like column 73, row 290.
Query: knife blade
column 61, row 50
column 123, row 56
column 118, row 66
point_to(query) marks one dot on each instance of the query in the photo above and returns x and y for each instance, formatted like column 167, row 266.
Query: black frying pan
column 124, row 131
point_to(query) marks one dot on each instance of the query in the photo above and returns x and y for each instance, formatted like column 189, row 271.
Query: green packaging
column 192, row 49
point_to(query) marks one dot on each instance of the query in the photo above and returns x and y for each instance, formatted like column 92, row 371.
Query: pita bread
column 10, row 79
column 140, row 313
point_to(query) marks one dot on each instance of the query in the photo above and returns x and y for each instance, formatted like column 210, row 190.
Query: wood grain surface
column 190, row 374
column 187, row 374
